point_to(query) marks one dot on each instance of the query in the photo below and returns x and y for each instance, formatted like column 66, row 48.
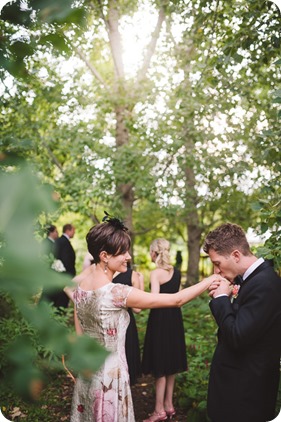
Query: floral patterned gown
column 106, row 397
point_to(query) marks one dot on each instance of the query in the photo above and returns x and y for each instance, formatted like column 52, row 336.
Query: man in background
column 65, row 253
column 64, row 250
column 48, row 250
column 48, row 243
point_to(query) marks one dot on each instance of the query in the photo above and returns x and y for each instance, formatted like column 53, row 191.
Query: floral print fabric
column 105, row 396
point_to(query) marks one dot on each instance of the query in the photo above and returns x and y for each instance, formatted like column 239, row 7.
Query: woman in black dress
column 132, row 347
column 164, row 353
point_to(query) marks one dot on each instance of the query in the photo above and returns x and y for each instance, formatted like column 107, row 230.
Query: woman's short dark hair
column 108, row 237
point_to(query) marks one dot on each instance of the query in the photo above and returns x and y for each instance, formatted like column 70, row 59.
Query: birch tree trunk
column 126, row 190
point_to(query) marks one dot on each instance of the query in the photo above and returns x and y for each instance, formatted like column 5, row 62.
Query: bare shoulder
column 161, row 275
column 156, row 272
column 85, row 278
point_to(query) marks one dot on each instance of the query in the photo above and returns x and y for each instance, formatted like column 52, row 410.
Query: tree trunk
column 126, row 190
column 193, row 226
column 193, row 247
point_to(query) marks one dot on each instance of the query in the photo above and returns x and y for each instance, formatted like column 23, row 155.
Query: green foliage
column 175, row 159
column 32, row 336
column 268, row 203
column 15, row 47
column 200, row 329
column 55, row 401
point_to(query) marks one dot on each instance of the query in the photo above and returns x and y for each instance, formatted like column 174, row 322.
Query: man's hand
column 224, row 288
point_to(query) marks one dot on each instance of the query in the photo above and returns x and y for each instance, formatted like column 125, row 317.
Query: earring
column 105, row 267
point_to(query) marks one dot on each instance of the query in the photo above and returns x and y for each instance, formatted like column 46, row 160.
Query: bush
column 33, row 337
column 192, row 386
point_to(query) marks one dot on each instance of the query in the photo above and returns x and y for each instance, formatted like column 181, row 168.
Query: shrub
column 192, row 386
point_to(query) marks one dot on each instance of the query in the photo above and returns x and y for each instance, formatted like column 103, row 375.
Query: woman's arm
column 137, row 282
column 69, row 291
column 144, row 300
column 154, row 281
column 78, row 328
column 141, row 278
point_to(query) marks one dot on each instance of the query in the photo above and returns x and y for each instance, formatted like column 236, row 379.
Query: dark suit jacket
column 56, row 296
column 245, row 370
column 65, row 252
column 48, row 247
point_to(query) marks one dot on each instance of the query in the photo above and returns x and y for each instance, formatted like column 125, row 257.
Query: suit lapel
column 260, row 268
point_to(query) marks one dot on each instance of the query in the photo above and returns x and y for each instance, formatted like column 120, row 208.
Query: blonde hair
column 162, row 249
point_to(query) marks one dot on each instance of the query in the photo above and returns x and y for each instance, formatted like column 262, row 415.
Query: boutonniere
column 235, row 291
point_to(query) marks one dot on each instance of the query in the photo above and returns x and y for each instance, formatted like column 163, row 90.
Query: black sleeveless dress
column 164, row 351
column 132, row 346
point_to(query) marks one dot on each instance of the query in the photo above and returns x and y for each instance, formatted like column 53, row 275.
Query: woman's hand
column 213, row 281
column 223, row 288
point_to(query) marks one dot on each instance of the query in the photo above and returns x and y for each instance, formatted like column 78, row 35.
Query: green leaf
column 238, row 58
column 264, row 227
column 53, row 11
column 21, row 49
column 276, row 100
column 56, row 40
column 256, row 206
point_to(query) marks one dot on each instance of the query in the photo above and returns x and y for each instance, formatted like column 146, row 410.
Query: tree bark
column 193, row 247
column 126, row 190
column 192, row 222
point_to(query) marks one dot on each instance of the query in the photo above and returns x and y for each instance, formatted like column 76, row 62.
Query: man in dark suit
column 64, row 250
column 66, row 254
column 48, row 250
column 244, row 375
column 48, row 243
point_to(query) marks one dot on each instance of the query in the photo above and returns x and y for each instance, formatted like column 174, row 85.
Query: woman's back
column 101, row 312
column 164, row 351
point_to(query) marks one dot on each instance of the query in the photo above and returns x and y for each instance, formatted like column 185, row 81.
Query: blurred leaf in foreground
column 23, row 273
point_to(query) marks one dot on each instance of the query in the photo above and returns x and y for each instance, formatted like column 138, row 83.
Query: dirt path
column 143, row 398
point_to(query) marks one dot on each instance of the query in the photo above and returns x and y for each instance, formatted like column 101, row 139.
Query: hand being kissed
column 224, row 288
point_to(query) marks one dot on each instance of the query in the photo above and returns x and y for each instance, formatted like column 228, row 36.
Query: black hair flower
column 114, row 221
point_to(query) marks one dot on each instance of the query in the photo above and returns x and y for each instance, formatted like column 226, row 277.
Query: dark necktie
column 238, row 280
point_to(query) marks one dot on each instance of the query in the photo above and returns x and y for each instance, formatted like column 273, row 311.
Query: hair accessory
column 114, row 221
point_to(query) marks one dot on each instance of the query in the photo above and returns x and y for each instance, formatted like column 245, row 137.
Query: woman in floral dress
column 101, row 312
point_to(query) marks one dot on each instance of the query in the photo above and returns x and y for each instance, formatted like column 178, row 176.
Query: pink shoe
column 156, row 417
column 170, row 413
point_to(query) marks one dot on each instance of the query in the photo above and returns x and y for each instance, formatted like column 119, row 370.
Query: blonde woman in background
column 164, row 353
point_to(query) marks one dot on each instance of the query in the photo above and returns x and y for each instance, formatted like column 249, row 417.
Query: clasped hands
column 219, row 286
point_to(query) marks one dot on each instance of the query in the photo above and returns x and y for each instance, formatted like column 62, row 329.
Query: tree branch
column 152, row 46
column 92, row 69
column 53, row 157
column 112, row 25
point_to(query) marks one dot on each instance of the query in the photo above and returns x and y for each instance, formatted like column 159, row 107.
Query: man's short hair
column 51, row 229
column 67, row 227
